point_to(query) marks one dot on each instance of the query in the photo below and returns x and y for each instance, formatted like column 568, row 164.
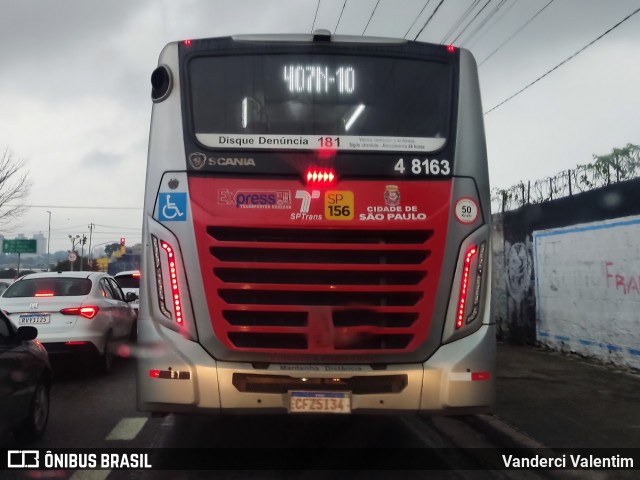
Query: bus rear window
column 292, row 101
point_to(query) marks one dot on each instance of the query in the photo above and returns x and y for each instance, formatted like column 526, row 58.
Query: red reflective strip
column 480, row 376
column 76, row 343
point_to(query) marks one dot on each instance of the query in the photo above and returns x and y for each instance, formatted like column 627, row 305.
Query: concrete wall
column 576, row 244
column 588, row 289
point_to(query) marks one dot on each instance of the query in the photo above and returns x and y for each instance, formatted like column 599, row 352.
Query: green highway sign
column 19, row 245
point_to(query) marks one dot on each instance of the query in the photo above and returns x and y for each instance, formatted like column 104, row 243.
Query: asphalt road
column 545, row 400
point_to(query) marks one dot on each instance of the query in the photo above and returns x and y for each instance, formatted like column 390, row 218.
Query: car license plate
column 34, row 319
column 319, row 402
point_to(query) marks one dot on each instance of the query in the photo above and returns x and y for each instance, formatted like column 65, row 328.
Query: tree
column 14, row 187
column 112, row 247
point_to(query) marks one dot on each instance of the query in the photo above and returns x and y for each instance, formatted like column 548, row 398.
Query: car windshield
column 49, row 287
column 128, row 281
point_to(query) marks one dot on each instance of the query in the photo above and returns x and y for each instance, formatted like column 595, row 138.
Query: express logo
column 277, row 199
column 197, row 160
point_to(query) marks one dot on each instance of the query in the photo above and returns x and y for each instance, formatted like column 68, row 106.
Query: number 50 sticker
column 466, row 210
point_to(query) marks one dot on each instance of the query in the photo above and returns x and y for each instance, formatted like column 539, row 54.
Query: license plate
column 320, row 402
column 34, row 319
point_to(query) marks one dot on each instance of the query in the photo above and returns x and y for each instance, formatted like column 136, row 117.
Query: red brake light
column 135, row 274
column 86, row 312
column 451, row 48
column 154, row 373
column 187, row 43
column 464, row 285
column 175, row 291
column 44, row 293
column 320, row 176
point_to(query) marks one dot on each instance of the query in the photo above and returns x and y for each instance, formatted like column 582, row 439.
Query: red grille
column 279, row 284
column 329, row 291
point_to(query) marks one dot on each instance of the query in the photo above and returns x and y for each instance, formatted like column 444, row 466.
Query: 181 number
column 425, row 167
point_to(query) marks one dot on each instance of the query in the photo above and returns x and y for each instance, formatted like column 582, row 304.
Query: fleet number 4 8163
column 424, row 167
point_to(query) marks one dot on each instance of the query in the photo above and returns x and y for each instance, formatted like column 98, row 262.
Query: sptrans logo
column 274, row 199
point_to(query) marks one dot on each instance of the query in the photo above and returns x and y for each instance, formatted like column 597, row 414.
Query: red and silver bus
column 316, row 229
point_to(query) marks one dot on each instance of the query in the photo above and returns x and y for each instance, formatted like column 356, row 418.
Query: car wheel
column 35, row 424
column 105, row 361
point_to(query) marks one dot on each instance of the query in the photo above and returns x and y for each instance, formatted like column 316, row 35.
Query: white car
column 129, row 281
column 83, row 313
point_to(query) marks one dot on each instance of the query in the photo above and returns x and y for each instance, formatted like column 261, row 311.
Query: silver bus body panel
column 438, row 385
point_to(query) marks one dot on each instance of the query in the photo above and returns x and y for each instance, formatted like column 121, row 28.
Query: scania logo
column 240, row 162
column 198, row 160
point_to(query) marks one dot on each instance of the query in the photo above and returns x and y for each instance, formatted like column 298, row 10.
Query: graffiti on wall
column 519, row 278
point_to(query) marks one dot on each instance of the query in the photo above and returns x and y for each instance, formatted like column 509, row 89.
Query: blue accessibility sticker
column 172, row 207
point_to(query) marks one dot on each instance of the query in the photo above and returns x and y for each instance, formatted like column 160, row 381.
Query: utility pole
column 73, row 248
column 49, row 242
column 91, row 227
column 83, row 240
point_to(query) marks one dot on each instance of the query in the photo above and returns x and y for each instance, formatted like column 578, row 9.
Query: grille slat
column 347, row 257
column 319, row 277
column 328, row 236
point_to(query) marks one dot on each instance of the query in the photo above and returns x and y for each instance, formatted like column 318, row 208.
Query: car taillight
column 86, row 312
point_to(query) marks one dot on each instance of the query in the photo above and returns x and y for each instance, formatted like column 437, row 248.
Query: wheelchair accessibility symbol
column 172, row 207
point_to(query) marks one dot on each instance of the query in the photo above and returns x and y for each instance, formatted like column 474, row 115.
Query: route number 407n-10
column 424, row 167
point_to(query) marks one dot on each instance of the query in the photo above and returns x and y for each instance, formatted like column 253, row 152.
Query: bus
column 316, row 229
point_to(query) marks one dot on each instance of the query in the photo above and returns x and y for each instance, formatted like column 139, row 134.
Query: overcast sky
column 75, row 105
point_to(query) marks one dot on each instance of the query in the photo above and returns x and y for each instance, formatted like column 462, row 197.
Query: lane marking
column 127, row 428
column 90, row 475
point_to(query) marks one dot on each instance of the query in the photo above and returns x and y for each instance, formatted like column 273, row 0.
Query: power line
column 372, row 13
column 315, row 16
column 417, row 17
column 471, row 21
column 460, row 20
column 484, row 21
column 564, row 61
column 340, row 17
column 516, row 32
column 82, row 207
column 428, row 20
column 488, row 29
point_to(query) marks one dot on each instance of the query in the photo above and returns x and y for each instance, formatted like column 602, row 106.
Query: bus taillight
column 320, row 176
column 469, row 298
column 173, row 279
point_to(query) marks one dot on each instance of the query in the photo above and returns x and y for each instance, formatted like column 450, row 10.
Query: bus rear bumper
column 457, row 379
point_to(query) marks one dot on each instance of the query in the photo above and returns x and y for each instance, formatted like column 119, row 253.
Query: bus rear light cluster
column 173, row 280
column 320, row 176
column 465, row 299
